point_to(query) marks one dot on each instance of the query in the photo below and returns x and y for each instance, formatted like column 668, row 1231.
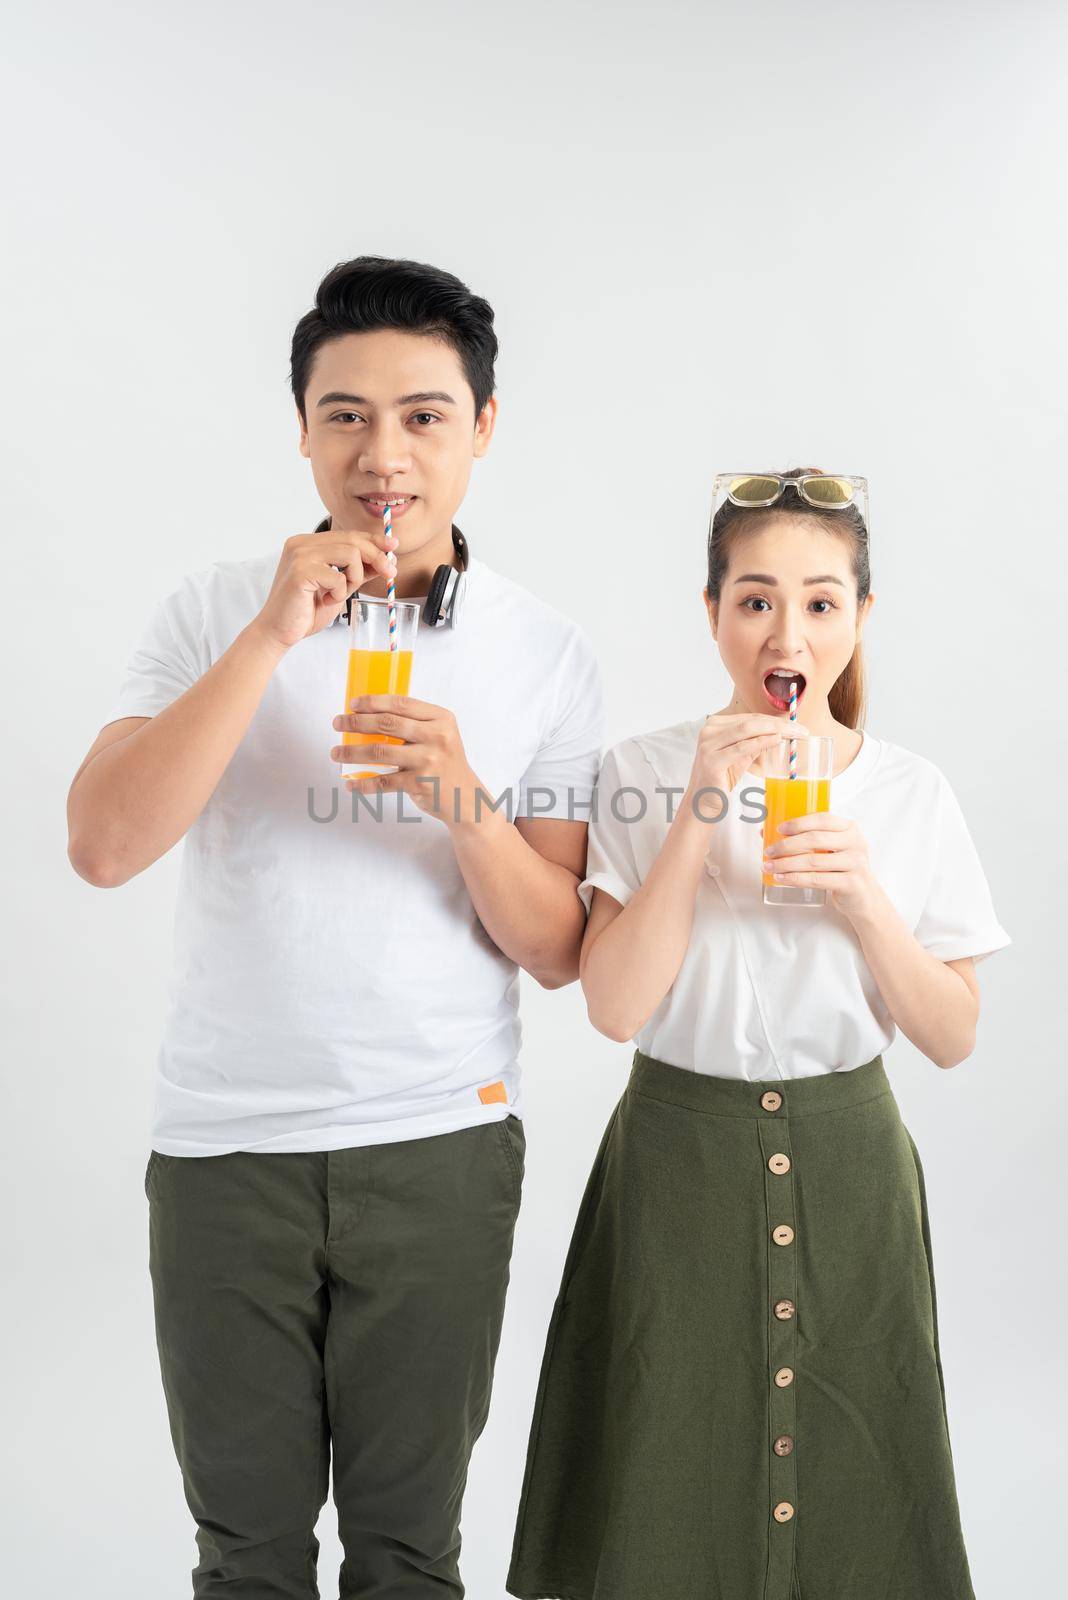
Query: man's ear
column 305, row 448
column 484, row 425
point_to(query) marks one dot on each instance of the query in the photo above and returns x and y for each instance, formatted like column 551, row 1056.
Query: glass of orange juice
column 374, row 668
column 795, row 788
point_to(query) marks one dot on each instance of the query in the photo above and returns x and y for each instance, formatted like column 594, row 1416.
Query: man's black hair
column 374, row 292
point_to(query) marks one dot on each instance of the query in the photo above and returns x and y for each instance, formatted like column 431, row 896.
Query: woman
column 741, row 1396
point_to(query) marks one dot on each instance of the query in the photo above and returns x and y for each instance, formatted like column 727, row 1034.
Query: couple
column 741, row 1395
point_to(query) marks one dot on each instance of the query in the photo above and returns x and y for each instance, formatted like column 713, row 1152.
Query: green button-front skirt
column 741, row 1396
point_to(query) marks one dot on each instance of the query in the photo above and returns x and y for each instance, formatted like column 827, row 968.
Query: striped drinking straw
column 793, row 718
column 391, row 593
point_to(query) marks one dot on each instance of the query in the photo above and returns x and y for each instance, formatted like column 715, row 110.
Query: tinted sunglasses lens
column 754, row 491
column 827, row 491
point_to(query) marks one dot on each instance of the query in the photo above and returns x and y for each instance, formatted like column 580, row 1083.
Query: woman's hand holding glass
column 823, row 851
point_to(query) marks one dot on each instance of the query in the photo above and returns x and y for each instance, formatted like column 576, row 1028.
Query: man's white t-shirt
column 333, row 985
column 779, row 992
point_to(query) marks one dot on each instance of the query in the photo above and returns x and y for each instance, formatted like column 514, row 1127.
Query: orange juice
column 787, row 798
column 375, row 672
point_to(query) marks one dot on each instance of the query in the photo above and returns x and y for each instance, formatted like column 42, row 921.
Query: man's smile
column 398, row 503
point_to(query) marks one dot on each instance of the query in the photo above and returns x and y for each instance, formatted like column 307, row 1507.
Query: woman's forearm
column 929, row 1002
column 631, row 964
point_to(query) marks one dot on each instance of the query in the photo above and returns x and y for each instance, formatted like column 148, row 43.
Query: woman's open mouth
column 777, row 688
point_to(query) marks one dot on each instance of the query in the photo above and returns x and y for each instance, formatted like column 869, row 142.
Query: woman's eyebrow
column 336, row 396
column 765, row 577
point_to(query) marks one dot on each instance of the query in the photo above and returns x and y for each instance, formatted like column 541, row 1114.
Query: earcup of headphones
column 435, row 595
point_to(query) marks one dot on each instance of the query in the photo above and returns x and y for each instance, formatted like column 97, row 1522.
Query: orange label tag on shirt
column 493, row 1092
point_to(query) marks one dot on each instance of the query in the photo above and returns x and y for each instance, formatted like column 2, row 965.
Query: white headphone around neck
column 448, row 587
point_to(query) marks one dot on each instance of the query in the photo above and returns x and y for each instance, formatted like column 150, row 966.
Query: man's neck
column 416, row 568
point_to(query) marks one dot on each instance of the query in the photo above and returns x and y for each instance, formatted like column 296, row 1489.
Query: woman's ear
column 713, row 611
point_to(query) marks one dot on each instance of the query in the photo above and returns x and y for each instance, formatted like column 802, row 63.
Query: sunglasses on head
column 823, row 491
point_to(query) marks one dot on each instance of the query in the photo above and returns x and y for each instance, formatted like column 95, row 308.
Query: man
column 337, row 1149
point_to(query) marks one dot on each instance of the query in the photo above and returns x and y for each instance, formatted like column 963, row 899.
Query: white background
column 716, row 236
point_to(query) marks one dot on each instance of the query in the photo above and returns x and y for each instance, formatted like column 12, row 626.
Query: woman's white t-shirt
column 771, row 992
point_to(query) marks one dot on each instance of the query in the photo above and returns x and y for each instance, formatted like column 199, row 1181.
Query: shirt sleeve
column 560, row 779
column 611, row 864
column 958, row 917
column 168, row 658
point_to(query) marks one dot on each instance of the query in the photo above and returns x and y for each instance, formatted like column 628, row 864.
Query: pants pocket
column 512, row 1135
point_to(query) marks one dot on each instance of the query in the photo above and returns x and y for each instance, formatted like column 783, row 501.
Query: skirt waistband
column 734, row 1097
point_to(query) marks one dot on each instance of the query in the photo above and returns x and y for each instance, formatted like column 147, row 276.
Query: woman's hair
column 372, row 292
column 847, row 699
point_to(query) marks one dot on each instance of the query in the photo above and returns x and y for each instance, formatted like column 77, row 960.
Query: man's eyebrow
column 765, row 577
column 336, row 396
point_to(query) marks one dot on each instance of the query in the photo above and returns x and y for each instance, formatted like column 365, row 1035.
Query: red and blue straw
column 391, row 593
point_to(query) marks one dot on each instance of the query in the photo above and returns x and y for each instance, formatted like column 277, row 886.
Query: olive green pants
column 343, row 1304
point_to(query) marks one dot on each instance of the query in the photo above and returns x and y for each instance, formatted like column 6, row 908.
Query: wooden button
column 784, row 1377
column 783, row 1235
column 771, row 1101
column 784, row 1310
column 779, row 1163
column 783, row 1511
column 783, row 1445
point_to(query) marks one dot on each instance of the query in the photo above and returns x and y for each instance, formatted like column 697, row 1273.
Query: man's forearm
column 529, row 906
column 929, row 1002
column 138, row 797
